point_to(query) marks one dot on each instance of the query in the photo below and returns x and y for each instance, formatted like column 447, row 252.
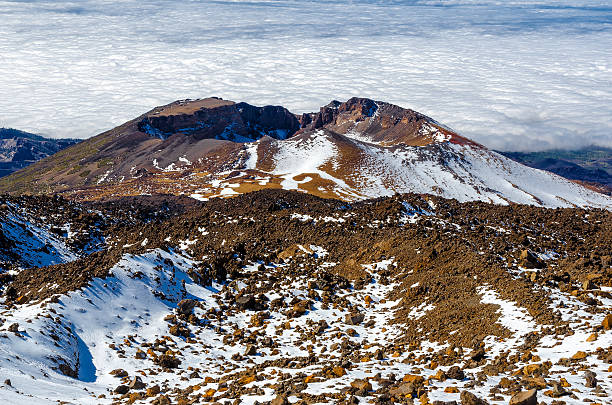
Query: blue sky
column 514, row 75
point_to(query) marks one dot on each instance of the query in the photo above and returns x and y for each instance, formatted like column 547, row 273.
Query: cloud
column 518, row 75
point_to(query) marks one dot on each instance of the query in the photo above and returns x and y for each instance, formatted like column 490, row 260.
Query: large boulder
column 530, row 260
column 455, row 373
column 361, row 385
column 525, row 398
column 607, row 322
column 467, row 398
column 354, row 318
column 403, row 389
column 186, row 306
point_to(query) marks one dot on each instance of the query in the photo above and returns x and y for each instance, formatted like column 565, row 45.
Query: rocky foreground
column 283, row 297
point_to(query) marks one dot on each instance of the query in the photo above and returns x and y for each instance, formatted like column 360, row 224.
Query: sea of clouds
column 513, row 75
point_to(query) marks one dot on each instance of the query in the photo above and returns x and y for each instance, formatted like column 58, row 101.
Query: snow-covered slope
column 84, row 323
column 44, row 233
column 33, row 245
column 324, row 162
column 121, row 324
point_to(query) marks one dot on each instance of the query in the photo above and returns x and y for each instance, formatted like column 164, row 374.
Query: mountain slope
column 352, row 150
column 19, row 149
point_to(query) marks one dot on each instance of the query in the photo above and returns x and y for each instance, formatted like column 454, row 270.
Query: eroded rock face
column 274, row 121
column 219, row 119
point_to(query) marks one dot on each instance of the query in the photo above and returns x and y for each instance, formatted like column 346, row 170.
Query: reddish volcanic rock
column 377, row 121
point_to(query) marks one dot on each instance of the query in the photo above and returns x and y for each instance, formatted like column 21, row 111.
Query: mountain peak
column 381, row 123
column 351, row 150
column 364, row 118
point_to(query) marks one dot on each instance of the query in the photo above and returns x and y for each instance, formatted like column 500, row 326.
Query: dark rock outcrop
column 219, row 119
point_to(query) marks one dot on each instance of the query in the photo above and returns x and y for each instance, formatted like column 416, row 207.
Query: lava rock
column 354, row 318
column 525, row 398
column 280, row 399
column 186, row 306
column 530, row 260
column 591, row 379
column 455, row 373
column 168, row 361
column 251, row 350
column 403, row 389
column 361, row 385
column 607, row 322
column 467, row 398
column 119, row 373
column 161, row 400
column 477, row 355
column 246, row 302
column 137, row 384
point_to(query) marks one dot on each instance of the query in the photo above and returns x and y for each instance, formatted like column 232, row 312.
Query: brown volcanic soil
column 440, row 259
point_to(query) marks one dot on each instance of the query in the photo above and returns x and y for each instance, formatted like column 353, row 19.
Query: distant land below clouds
column 19, row 149
column 592, row 165
column 516, row 75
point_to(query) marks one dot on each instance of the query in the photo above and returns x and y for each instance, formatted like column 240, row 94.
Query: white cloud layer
column 513, row 75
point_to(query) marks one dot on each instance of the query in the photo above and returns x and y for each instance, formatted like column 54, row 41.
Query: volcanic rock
column 137, row 384
column 168, row 361
column 530, row 260
column 467, row 398
column 354, row 318
column 247, row 302
column 591, row 379
column 185, row 307
column 250, row 350
column 363, row 385
column 455, row 373
column 607, row 322
column 119, row 373
column 403, row 389
column 280, row 399
column 524, row 398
